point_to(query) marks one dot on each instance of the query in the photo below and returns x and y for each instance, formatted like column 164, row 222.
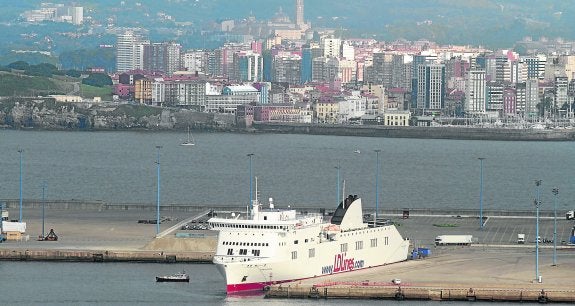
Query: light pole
column 537, row 205
column 376, row 186
column 158, row 193
column 43, row 206
column 556, row 194
column 251, row 181
column 481, row 194
column 20, row 151
column 337, row 191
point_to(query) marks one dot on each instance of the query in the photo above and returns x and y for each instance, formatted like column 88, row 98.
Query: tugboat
column 175, row 278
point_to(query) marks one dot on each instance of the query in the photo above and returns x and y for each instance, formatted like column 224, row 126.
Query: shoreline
column 413, row 132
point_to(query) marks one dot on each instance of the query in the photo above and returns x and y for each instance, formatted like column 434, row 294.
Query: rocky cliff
column 46, row 113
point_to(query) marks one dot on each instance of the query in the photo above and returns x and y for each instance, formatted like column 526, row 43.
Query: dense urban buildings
column 284, row 69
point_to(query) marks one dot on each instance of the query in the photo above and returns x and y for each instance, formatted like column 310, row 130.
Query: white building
column 129, row 51
column 476, row 92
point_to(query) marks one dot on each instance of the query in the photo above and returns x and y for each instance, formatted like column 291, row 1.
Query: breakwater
column 463, row 133
column 365, row 291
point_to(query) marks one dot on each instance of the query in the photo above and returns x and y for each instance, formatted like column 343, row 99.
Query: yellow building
column 396, row 118
column 143, row 91
column 327, row 111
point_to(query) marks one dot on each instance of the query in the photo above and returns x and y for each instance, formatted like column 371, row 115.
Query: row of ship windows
column 283, row 227
column 246, row 243
column 344, row 234
column 343, row 247
column 311, row 252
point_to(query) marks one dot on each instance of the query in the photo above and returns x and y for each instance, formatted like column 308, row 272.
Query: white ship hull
column 289, row 250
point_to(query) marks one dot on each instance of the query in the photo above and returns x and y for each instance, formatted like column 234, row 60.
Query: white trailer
column 520, row 238
column 454, row 240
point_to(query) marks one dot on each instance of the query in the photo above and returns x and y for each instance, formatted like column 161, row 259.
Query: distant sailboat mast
column 190, row 141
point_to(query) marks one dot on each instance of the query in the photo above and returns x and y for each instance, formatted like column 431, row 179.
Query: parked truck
column 570, row 215
column 520, row 238
column 454, row 240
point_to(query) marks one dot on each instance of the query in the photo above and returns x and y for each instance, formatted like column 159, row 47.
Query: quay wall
column 104, row 256
column 420, row 293
column 101, row 205
column 462, row 133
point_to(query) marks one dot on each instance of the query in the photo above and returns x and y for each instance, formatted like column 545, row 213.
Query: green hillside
column 21, row 85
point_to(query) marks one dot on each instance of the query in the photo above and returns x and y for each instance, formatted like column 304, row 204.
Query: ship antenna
column 343, row 190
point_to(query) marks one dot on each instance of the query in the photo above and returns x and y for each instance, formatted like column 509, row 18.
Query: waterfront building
column 560, row 93
column 531, row 96
column 509, row 101
column 476, row 92
column 520, row 98
column 396, row 118
column 326, row 110
column 143, row 91
column 230, row 98
column 495, row 97
column 431, row 87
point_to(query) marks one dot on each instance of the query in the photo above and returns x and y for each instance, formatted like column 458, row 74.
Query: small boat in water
column 178, row 277
column 190, row 141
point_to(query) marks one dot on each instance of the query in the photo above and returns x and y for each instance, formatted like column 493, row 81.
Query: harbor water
column 296, row 170
column 42, row 283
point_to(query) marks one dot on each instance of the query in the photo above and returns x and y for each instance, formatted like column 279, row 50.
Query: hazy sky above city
column 495, row 23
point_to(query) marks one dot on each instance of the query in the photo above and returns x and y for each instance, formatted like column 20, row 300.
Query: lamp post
column 158, row 192
column 251, row 181
column 376, row 186
column 481, row 194
column 20, row 151
column 337, row 191
column 556, row 194
column 537, row 205
column 43, row 205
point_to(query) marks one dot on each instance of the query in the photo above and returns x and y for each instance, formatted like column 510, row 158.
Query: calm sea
column 120, row 167
column 41, row 283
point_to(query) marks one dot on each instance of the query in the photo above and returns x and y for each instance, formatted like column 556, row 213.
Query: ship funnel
column 271, row 200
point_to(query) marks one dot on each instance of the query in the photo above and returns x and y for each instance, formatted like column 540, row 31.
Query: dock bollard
column 471, row 295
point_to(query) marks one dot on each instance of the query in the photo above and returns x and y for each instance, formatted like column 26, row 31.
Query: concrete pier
column 104, row 256
column 367, row 291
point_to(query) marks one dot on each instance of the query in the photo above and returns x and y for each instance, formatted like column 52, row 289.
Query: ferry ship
column 273, row 246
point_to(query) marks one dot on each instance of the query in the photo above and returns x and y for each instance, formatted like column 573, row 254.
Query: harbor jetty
column 377, row 291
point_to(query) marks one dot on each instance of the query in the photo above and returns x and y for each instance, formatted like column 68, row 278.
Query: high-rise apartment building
column 129, row 51
column 560, row 92
column 476, row 92
column 162, row 57
column 331, row 47
column 431, row 87
column 248, row 66
column 531, row 96
column 287, row 69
